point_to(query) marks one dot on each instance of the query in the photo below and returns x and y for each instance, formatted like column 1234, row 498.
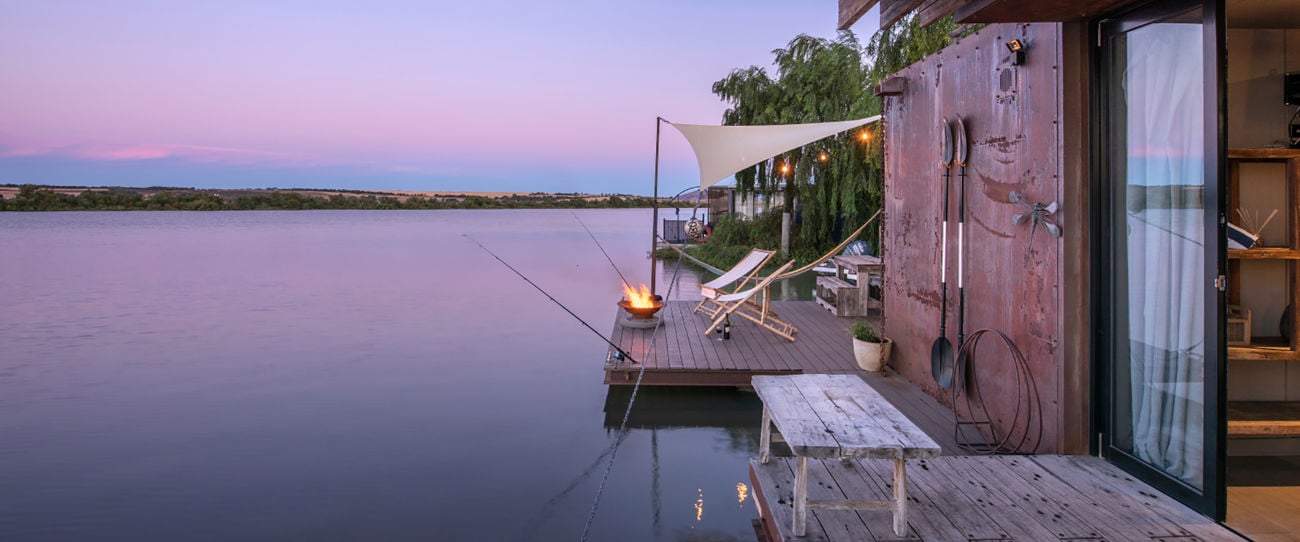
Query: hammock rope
column 787, row 274
column 793, row 272
column 693, row 259
column 833, row 251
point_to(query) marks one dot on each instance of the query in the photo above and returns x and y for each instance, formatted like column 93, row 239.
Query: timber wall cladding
column 1011, row 114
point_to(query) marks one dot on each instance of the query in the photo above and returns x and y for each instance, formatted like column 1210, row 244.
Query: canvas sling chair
column 745, row 271
column 760, row 313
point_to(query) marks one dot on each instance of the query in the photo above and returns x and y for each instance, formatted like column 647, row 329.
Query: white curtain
column 1166, row 248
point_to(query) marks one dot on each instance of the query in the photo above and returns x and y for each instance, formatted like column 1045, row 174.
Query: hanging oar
column 963, row 152
column 941, row 352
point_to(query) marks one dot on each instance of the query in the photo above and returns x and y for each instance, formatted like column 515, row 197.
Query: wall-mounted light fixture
column 1017, row 48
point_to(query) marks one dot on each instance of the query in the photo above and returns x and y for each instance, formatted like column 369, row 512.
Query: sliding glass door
column 1162, row 251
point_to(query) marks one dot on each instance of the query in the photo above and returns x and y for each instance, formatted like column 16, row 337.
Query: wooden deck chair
column 744, row 271
column 760, row 313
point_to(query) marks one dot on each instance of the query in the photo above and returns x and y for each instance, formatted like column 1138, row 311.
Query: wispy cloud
column 199, row 154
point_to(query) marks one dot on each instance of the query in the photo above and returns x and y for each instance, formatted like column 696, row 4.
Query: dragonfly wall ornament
column 1036, row 213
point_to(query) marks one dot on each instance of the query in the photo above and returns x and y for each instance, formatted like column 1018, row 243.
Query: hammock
column 789, row 274
column 833, row 251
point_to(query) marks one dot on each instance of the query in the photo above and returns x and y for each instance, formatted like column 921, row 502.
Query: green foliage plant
column 817, row 80
column 836, row 183
column 863, row 331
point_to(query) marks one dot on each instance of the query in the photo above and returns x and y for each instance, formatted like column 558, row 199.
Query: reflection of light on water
column 699, row 505
column 742, row 492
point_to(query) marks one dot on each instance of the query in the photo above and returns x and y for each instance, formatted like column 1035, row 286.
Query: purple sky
column 514, row 95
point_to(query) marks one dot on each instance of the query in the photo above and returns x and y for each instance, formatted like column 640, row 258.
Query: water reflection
column 317, row 375
column 671, row 406
column 732, row 417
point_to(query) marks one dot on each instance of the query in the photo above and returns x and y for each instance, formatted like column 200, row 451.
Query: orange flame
column 636, row 298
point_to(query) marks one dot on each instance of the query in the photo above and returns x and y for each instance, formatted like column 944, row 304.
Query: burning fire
column 639, row 299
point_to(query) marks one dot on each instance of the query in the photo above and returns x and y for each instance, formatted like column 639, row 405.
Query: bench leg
column 801, row 497
column 900, row 497
column 765, row 437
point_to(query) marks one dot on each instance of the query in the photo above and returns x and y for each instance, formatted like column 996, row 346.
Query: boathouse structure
column 1114, row 145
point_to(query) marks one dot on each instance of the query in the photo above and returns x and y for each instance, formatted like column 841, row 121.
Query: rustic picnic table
column 839, row 416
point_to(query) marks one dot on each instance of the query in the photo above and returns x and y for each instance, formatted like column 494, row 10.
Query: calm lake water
column 342, row 375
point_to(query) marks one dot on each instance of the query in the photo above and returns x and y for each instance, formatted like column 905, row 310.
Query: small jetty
column 683, row 355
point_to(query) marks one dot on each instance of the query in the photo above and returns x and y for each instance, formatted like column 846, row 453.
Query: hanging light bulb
column 823, row 156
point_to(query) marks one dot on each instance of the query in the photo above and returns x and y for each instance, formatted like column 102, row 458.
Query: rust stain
column 988, row 228
column 1000, row 192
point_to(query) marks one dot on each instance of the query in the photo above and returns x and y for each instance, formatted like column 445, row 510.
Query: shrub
column 863, row 331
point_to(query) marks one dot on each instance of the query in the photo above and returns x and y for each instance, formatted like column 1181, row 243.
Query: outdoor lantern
column 1017, row 48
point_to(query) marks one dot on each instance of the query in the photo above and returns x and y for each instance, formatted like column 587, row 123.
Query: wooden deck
column 684, row 356
column 1036, row 498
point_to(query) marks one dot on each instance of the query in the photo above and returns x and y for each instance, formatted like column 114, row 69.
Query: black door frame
column 1211, row 500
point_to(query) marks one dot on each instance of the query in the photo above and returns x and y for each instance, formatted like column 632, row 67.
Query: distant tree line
column 37, row 198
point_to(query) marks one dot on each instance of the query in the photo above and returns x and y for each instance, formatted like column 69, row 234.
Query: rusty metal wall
column 1012, row 282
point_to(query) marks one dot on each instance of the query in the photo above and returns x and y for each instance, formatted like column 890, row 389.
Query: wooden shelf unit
column 1268, row 348
column 1263, row 418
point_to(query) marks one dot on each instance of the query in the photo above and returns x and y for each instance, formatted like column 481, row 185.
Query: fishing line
column 622, row 429
column 544, row 513
column 602, row 249
column 556, row 301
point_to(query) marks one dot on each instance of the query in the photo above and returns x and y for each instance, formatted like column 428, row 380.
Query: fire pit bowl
column 643, row 313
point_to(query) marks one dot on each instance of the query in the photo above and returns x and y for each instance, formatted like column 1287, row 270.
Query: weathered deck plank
column 683, row 355
column 986, row 498
column 1188, row 519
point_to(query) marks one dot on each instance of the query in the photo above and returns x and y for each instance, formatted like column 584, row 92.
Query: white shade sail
column 724, row 150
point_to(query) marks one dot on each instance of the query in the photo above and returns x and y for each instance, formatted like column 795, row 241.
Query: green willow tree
column 817, row 80
column 822, row 80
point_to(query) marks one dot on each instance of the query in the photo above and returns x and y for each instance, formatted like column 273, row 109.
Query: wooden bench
column 830, row 290
column 839, row 416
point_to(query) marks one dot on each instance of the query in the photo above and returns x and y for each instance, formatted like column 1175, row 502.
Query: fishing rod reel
column 619, row 355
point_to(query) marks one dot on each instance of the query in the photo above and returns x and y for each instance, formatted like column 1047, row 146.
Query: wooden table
column 843, row 297
column 839, row 416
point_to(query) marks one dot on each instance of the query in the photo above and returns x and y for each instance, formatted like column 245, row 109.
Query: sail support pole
column 654, row 205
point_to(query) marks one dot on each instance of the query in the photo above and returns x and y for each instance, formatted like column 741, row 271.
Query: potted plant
column 869, row 348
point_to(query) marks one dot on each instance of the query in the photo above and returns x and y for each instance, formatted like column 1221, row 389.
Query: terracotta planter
column 872, row 356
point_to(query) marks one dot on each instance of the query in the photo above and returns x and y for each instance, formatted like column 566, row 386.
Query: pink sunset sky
column 513, row 95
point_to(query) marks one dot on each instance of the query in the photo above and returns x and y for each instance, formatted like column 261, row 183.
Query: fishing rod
column 602, row 249
column 620, row 354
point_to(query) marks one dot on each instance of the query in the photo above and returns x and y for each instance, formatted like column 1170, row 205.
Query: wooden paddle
column 941, row 352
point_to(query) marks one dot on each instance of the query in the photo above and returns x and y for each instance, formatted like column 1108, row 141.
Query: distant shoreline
column 113, row 198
